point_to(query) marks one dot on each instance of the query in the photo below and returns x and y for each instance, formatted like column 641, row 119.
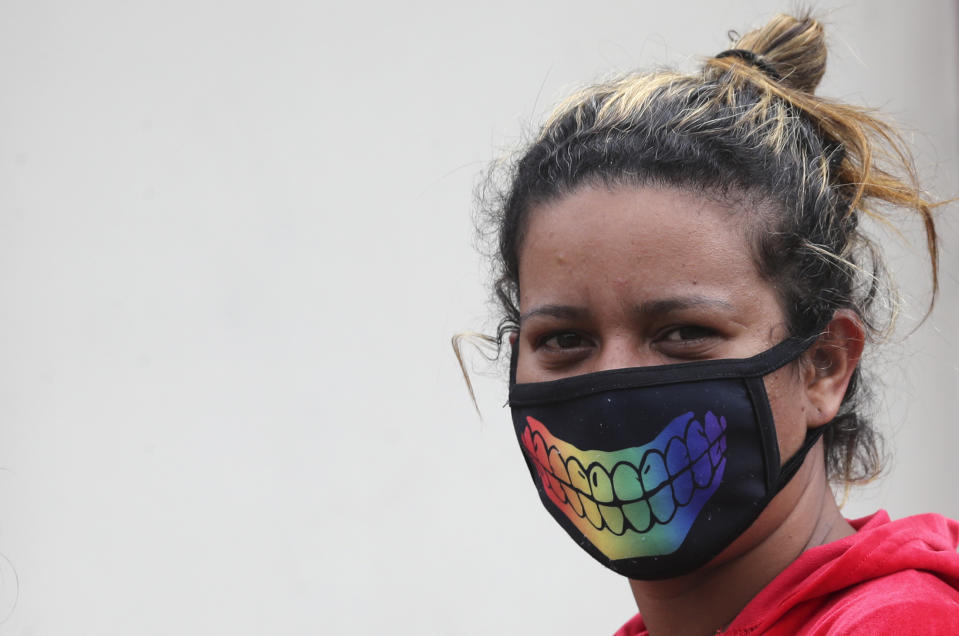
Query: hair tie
column 756, row 60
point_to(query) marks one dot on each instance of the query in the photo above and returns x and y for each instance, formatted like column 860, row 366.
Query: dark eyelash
column 701, row 332
column 541, row 341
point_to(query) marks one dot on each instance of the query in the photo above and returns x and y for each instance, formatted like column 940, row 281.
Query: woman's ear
column 831, row 361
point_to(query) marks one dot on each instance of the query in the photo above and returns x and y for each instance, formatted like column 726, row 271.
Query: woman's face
column 635, row 276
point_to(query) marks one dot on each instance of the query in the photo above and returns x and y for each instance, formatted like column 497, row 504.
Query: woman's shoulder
column 891, row 577
column 902, row 603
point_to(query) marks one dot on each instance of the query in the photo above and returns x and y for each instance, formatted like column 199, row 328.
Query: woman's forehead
column 631, row 232
column 601, row 250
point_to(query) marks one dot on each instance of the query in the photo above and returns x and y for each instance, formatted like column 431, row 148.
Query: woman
column 686, row 293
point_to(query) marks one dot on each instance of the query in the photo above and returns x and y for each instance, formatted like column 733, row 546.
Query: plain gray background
column 235, row 239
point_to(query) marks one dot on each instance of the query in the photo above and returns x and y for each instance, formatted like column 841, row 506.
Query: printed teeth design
column 615, row 492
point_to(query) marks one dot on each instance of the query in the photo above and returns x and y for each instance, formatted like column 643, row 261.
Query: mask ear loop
column 792, row 464
column 777, row 476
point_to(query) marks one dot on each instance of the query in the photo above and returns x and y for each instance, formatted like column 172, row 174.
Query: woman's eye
column 568, row 340
column 687, row 333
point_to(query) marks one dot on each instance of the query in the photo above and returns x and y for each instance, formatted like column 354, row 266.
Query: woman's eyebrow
column 662, row 306
column 568, row 312
column 648, row 308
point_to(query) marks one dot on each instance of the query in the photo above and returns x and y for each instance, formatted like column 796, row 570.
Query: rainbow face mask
column 655, row 470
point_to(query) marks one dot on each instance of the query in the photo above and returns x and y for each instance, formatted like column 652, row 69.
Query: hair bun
column 795, row 48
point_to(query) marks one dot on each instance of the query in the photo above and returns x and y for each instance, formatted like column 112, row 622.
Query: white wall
column 234, row 241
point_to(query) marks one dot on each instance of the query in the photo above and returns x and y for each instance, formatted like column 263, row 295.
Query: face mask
column 655, row 470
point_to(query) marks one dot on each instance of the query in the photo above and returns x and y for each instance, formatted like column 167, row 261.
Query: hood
column 879, row 548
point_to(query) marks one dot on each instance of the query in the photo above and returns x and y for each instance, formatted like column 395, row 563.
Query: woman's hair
column 746, row 128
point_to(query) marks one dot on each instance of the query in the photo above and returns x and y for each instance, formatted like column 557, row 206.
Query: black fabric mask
column 655, row 470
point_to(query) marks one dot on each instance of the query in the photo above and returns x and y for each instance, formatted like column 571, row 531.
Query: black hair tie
column 756, row 60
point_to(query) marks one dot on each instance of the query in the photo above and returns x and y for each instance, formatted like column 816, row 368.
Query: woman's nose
column 624, row 352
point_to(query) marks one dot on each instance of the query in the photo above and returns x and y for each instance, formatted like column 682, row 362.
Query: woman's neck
column 802, row 516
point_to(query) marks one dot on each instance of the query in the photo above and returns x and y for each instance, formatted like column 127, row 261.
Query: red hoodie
column 891, row 577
